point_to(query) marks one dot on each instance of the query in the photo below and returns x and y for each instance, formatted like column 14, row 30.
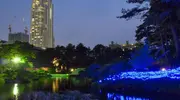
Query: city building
column 125, row 46
column 3, row 42
column 22, row 37
column 41, row 33
column 114, row 45
column 128, row 46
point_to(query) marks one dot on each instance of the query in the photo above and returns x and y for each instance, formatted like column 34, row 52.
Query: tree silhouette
column 160, row 23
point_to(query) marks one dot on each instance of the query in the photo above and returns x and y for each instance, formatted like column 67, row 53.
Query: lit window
column 37, row 2
column 50, row 13
column 46, row 3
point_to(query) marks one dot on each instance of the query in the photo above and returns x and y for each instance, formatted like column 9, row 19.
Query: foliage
column 80, row 56
column 92, row 71
column 160, row 25
column 18, row 49
column 139, row 56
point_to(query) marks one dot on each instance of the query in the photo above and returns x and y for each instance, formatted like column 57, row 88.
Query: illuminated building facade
column 124, row 47
column 41, row 33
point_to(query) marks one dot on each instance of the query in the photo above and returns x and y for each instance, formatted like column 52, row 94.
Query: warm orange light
column 44, row 68
column 61, row 67
column 55, row 62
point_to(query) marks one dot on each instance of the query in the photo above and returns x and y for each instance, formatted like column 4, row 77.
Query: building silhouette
column 41, row 32
column 21, row 37
column 2, row 42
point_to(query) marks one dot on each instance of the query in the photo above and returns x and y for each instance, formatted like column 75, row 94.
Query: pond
column 60, row 84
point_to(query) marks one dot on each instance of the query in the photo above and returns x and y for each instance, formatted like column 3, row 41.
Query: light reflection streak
column 55, row 85
column 15, row 91
column 113, row 96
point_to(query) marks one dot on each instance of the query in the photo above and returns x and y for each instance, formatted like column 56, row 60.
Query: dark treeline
column 69, row 56
column 82, row 56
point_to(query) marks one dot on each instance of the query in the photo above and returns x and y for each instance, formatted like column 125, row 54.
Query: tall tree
column 81, row 55
column 160, row 24
column 99, row 53
column 70, row 54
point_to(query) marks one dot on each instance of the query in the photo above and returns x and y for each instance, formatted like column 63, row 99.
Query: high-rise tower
column 41, row 33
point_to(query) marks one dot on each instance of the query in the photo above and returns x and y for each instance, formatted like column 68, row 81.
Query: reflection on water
column 55, row 84
column 45, row 84
column 113, row 96
column 15, row 91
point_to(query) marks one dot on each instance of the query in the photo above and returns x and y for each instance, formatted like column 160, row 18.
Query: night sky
column 88, row 21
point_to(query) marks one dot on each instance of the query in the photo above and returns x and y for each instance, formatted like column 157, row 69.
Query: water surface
column 60, row 84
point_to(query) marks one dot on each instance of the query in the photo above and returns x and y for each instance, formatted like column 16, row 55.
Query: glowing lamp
column 163, row 69
column 72, row 70
column 16, row 60
column 57, row 64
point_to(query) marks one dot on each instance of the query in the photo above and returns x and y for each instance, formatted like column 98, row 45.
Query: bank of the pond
column 161, row 86
column 25, row 79
column 35, row 77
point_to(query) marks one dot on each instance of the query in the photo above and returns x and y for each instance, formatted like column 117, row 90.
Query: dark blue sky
column 88, row 21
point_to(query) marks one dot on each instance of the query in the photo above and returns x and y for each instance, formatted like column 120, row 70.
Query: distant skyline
column 90, row 22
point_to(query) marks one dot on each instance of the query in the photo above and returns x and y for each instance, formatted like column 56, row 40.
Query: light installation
column 114, row 96
column 171, row 74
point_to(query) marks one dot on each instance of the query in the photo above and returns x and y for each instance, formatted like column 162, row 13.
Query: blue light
column 100, row 81
column 172, row 74
column 114, row 96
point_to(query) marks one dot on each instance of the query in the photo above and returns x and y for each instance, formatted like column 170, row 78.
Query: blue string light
column 172, row 74
column 113, row 96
